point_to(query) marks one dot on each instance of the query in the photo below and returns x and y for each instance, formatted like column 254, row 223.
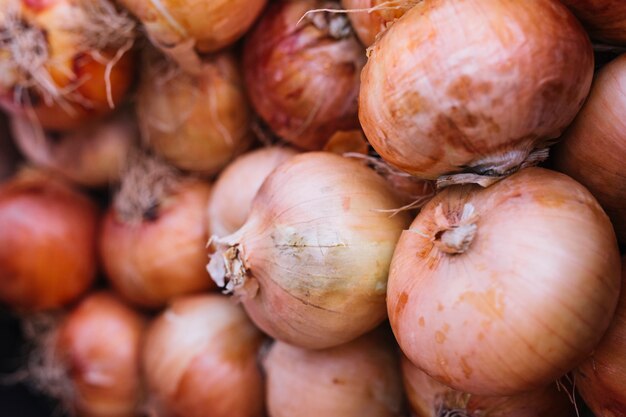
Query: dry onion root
column 302, row 72
column 369, row 18
column 196, row 122
column 64, row 62
column 311, row 262
column 154, row 234
column 503, row 290
column 474, row 86
column 605, row 19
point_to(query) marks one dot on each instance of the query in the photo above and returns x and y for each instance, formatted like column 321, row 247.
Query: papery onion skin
column 200, row 359
column 474, row 85
column 162, row 256
column 317, row 246
column 99, row 344
column 302, row 81
column 48, row 242
column 600, row 380
column 368, row 24
column 605, row 19
column 357, row 379
column 593, row 149
column 499, row 310
column 234, row 190
column 196, row 122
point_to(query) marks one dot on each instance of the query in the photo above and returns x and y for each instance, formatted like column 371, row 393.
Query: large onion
column 236, row 187
column 605, row 19
column 358, row 379
column 196, row 122
column 593, row 150
column 474, row 85
column 303, row 78
column 200, row 359
column 47, row 242
column 502, row 290
column 64, row 62
column 311, row 261
column 371, row 17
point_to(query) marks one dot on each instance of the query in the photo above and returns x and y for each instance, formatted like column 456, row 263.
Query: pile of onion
column 311, row 262
column 196, row 122
column 593, row 150
column 503, row 290
column 302, row 71
column 200, row 359
column 474, row 86
column 64, row 62
column 234, row 190
column 48, row 254
column 91, row 156
column 371, row 17
column 429, row 398
column 357, row 379
column 605, row 19
column 154, row 235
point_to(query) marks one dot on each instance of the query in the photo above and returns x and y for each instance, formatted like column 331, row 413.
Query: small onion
column 236, row 187
column 593, row 150
column 196, row 122
column 358, row 379
column 199, row 360
column 303, row 78
column 474, row 86
column 311, row 262
column 154, row 235
column 503, row 290
column 47, row 244
column 371, row 17
column 429, row 398
column 605, row 19
column 601, row 379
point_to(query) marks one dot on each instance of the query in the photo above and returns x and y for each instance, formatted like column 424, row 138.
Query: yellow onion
column 347, row 141
column 429, row 398
column 474, row 86
column 196, row 122
column 605, row 19
column 311, row 262
column 371, row 17
column 601, row 379
column 593, row 150
column 64, row 62
column 91, row 156
column 200, row 359
column 47, row 242
column 234, row 190
column 302, row 76
column 503, row 290
column 154, row 235
column 357, row 379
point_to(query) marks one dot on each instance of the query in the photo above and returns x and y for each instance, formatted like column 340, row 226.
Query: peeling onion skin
column 593, row 149
column 99, row 344
column 506, row 315
column 234, row 190
column 48, row 252
column 368, row 25
column 605, row 19
column 474, row 85
column 302, row 82
column 600, row 380
column 198, row 123
column 200, row 360
column 357, row 379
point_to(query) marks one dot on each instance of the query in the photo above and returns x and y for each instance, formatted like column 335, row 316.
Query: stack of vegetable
column 316, row 208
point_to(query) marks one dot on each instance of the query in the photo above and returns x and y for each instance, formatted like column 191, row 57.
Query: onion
column 199, row 359
column 429, row 398
column 311, row 262
column 593, row 150
column 91, row 156
column 358, row 379
column 600, row 380
column 47, row 243
column 64, row 61
column 347, row 141
column 236, row 187
column 474, row 86
column 371, row 17
column 196, row 122
column 503, row 290
column 605, row 19
column 154, row 235
column 303, row 78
